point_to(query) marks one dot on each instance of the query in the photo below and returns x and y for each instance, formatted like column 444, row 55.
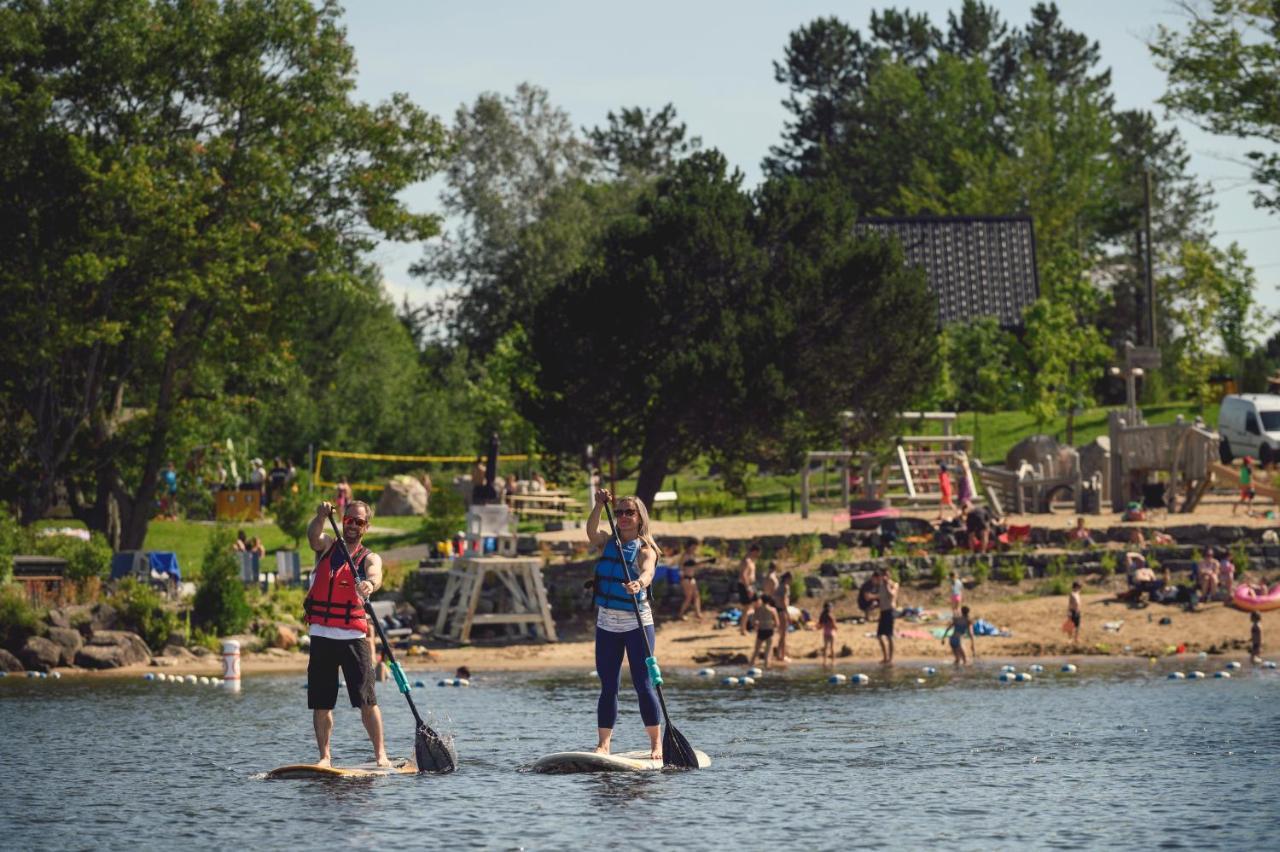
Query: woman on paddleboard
column 617, row 631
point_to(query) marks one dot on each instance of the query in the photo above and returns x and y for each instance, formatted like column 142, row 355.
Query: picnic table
column 544, row 504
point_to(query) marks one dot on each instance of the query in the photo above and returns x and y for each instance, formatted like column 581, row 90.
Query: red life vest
column 332, row 600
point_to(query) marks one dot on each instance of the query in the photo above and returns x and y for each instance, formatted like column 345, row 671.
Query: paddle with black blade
column 676, row 751
column 433, row 753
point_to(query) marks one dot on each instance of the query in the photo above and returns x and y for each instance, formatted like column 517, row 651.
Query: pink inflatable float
column 1247, row 598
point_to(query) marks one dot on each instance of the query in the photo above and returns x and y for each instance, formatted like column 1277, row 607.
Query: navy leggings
column 609, row 648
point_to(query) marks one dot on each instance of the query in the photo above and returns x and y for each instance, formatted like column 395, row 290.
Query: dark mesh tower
column 977, row 266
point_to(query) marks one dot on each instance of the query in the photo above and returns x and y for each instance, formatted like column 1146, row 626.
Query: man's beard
column 351, row 538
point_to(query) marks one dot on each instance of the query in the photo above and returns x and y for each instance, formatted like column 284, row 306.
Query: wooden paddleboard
column 363, row 770
column 564, row 762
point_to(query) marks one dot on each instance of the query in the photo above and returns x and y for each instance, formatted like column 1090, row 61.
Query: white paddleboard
column 588, row 761
column 363, row 770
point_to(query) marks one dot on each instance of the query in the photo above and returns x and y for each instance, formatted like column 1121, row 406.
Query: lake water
column 1113, row 756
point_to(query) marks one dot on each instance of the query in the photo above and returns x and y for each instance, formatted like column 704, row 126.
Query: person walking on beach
column 1246, row 487
column 766, row 622
column 961, row 625
column 827, row 622
column 339, row 628
column 888, row 600
column 1073, row 612
column 617, row 632
column 957, row 592
column 747, row 575
column 782, row 603
column 692, row 595
column 1255, row 637
column 946, row 508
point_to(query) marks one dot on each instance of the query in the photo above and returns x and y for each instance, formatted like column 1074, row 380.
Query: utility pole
column 1151, row 287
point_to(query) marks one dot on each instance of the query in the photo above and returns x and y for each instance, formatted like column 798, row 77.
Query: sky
column 713, row 59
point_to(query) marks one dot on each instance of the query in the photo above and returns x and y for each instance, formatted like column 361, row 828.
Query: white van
column 1249, row 424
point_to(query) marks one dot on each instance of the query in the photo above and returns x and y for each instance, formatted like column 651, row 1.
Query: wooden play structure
column 910, row 477
column 1264, row 485
column 1034, row 488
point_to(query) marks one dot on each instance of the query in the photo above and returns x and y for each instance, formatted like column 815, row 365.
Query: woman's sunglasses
column 626, row 513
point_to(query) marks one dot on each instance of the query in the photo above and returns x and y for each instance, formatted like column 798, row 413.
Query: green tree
column 639, row 143
column 735, row 310
column 981, row 361
column 1222, row 74
column 220, row 604
column 293, row 510
column 177, row 179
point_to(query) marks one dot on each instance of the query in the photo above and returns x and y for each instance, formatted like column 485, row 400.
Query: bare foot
column 324, row 761
column 601, row 749
column 655, row 753
column 383, row 760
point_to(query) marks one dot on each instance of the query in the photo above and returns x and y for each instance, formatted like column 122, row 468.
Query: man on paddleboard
column 339, row 628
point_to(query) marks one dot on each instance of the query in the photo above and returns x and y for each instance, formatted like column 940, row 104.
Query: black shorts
column 356, row 661
column 885, row 627
column 764, row 634
column 1075, row 618
column 745, row 595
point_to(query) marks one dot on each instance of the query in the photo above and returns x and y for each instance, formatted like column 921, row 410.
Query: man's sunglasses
column 360, row 522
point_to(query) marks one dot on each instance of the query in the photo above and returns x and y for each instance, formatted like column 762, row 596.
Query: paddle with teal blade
column 433, row 752
column 676, row 751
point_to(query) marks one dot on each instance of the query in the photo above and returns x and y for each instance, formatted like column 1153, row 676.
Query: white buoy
column 192, row 679
column 231, row 664
column 4, row 674
column 748, row 681
column 1008, row 668
column 1035, row 668
column 1203, row 655
column 419, row 684
column 921, row 680
column 1222, row 675
column 56, row 675
column 706, row 672
column 1234, row 666
column 754, row 672
column 595, row 673
column 148, row 676
column 217, row 681
column 836, row 679
column 1008, row 677
column 31, row 675
column 204, row 680
column 1068, row 668
column 1269, row 664
column 1023, row 677
column 929, row 671
column 859, row 680
column 1177, row 676
column 729, row 681
column 1196, row 675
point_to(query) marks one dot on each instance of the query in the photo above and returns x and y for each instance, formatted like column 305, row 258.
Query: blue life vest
column 610, row 575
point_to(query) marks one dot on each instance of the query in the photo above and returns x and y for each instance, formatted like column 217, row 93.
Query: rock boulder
column 40, row 654
column 403, row 495
column 286, row 637
column 112, row 649
column 9, row 663
column 103, row 618
column 69, row 641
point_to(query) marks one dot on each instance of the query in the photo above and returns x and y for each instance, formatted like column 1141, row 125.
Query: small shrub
column 143, row 611
column 85, row 559
column 220, row 604
column 294, row 509
column 804, row 548
column 1240, row 557
column 1058, row 584
column 939, row 572
column 18, row 618
column 11, row 540
column 843, row 553
column 846, row 582
column 1107, row 565
column 1016, row 573
column 798, row 588
column 981, row 571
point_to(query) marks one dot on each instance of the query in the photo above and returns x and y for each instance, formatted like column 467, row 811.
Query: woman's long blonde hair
column 642, row 520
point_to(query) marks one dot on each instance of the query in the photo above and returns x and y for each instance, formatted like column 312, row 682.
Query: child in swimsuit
column 1255, row 637
column 827, row 622
column 766, row 618
column 960, row 626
